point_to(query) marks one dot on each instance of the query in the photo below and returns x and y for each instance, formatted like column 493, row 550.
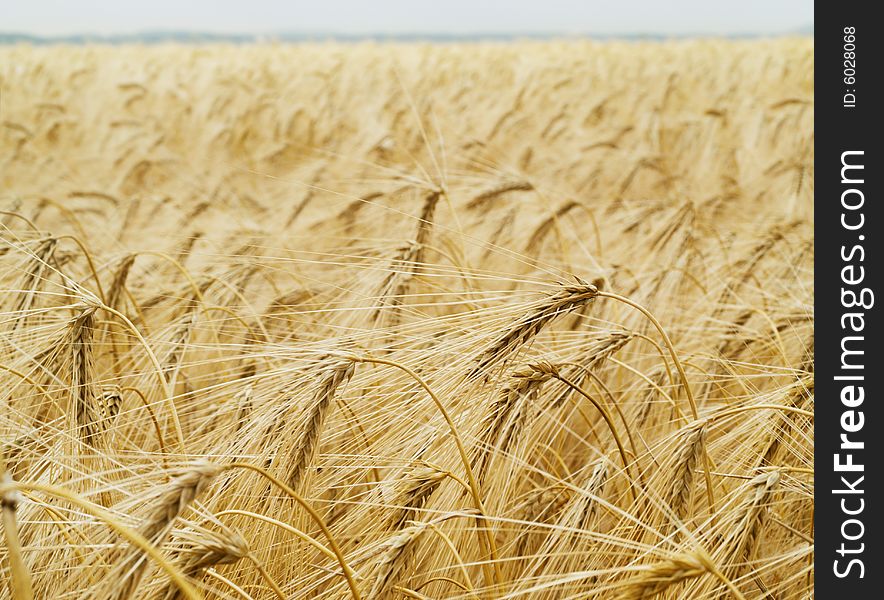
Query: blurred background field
column 528, row 319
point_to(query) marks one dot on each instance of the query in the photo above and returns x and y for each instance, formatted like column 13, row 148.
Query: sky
column 58, row 17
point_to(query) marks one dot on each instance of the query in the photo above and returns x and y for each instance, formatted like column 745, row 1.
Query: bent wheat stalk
column 158, row 369
column 682, row 374
column 317, row 518
column 546, row 367
column 488, row 538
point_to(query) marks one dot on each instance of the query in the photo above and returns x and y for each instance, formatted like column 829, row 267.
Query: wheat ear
column 393, row 561
column 504, row 418
column 306, row 442
column 205, row 551
column 180, row 492
column 680, row 493
column 85, row 412
column 663, row 575
column 527, row 327
column 410, row 493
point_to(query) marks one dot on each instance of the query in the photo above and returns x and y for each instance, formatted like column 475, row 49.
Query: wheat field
column 520, row 320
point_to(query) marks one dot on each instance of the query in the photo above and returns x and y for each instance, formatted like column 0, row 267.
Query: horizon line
column 156, row 35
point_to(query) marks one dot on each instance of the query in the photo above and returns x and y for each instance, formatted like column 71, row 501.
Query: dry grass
column 524, row 320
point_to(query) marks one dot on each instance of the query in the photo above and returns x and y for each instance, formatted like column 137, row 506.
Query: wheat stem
column 681, row 372
column 608, row 420
column 317, row 518
column 158, row 370
column 461, row 449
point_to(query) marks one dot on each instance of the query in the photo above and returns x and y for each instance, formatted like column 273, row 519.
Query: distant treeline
column 197, row 37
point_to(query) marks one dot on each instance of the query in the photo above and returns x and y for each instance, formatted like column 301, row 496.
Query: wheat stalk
column 488, row 195
column 392, row 562
column 32, row 280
